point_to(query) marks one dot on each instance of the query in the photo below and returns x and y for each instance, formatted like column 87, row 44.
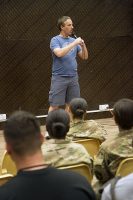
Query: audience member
column 123, row 190
column 59, row 150
column 120, row 146
column 81, row 128
column 36, row 180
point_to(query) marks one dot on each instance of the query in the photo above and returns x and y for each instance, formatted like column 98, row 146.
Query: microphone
column 74, row 35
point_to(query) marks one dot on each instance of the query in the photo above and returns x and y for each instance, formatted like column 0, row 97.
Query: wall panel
column 26, row 28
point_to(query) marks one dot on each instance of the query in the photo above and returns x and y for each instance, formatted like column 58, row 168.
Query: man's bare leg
column 67, row 108
column 51, row 108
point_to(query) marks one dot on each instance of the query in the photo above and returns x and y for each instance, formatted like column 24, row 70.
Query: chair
column 82, row 169
column 8, row 164
column 92, row 145
column 4, row 178
column 125, row 167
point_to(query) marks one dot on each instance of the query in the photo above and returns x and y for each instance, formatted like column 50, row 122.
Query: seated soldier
column 58, row 150
column 80, row 128
column 120, row 146
column 35, row 179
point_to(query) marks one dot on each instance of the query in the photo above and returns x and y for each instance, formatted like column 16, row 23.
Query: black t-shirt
column 47, row 184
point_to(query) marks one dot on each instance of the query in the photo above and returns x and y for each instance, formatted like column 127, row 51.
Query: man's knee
column 51, row 108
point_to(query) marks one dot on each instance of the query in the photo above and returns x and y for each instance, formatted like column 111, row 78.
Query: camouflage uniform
column 59, row 152
column 111, row 153
column 87, row 129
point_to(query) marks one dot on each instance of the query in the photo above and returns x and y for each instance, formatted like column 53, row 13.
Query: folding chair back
column 8, row 164
column 82, row 169
column 92, row 145
column 125, row 167
column 5, row 178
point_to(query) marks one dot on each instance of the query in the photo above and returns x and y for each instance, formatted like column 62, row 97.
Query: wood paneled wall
column 26, row 28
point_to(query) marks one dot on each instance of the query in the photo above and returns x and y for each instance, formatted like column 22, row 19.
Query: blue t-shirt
column 66, row 65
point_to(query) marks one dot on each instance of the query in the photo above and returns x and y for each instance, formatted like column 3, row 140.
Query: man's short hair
column 123, row 113
column 61, row 21
column 22, row 132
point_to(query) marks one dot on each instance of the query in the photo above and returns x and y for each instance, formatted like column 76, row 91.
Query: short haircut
column 78, row 107
column 123, row 113
column 58, row 123
column 61, row 21
column 22, row 131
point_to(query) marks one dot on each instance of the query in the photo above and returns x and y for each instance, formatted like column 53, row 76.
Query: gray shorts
column 63, row 90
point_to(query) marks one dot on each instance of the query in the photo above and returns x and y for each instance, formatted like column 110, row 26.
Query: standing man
column 64, row 82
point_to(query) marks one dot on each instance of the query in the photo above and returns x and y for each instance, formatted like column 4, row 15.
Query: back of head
column 78, row 107
column 123, row 113
column 61, row 21
column 22, row 132
column 57, row 123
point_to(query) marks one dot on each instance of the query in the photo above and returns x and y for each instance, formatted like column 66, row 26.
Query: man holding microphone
column 65, row 48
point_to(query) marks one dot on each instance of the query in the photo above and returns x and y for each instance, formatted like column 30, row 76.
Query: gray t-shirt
column 123, row 189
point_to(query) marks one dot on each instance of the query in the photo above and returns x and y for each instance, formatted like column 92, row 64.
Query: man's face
column 67, row 28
